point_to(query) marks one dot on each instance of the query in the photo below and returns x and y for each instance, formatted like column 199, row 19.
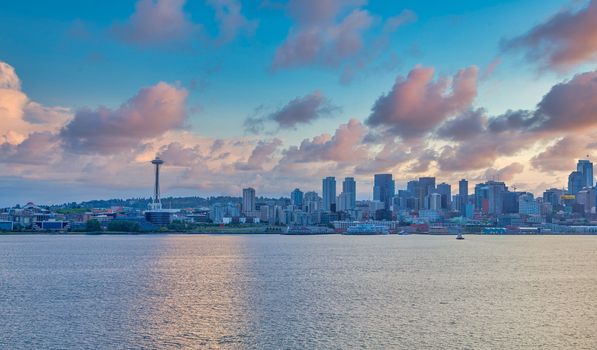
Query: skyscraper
column 349, row 187
column 329, row 193
column 426, row 187
column 445, row 190
column 383, row 189
column 463, row 194
column 585, row 167
column 248, row 201
column 296, row 198
column 576, row 181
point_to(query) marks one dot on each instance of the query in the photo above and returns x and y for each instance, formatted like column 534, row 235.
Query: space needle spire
column 157, row 203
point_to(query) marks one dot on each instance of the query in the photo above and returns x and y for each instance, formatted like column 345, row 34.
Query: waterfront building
column 576, row 181
column 463, row 195
column 296, row 198
column 349, row 186
column 445, row 191
column 527, row 205
column 312, row 202
column 425, row 188
column 383, row 189
column 435, row 201
column 248, row 205
column 585, row 167
column 329, row 193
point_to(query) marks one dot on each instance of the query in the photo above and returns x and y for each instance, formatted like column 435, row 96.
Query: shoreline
column 49, row 233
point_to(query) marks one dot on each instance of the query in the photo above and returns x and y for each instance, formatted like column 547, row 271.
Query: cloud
column 261, row 155
column 405, row 17
column 506, row 173
column 157, row 22
column 39, row 148
column 177, row 154
column 570, row 105
column 300, row 110
column 561, row 155
column 418, row 104
column 20, row 116
column 564, row 40
column 319, row 37
column 150, row 113
column 482, row 150
column 343, row 147
column 465, row 126
column 165, row 23
column 231, row 21
column 8, row 77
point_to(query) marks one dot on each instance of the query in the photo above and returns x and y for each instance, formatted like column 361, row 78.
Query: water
column 280, row 292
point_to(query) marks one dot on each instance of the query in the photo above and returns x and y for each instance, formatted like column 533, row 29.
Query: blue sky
column 69, row 54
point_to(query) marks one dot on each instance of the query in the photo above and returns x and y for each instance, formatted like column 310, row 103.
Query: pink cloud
column 566, row 39
column 260, row 156
column 343, row 147
column 418, row 104
column 319, row 36
column 150, row 113
column 157, row 22
column 300, row 110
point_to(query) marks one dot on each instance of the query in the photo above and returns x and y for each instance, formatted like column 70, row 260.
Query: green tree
column 123, row 226
column 93, row 226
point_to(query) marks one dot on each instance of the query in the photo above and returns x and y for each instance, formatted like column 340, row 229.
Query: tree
column 123, row 226
column 93, row 226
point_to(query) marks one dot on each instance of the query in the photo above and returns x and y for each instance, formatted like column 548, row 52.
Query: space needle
column 157, row 203
column 156, row 214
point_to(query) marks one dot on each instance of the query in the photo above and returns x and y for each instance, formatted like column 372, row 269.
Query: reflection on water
column 258, row 292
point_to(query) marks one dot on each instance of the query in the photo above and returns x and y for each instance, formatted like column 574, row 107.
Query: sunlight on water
column 235, row 292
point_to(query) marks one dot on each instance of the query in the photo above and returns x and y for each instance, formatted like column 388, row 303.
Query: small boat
column 459, row 236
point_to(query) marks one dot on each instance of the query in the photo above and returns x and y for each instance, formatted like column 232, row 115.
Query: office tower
column 489, row 197
column 553, row 196
column 383, row 189
column 527, row 205
column 585, row 167
column 576, row 182
column 343, row 202
column 329, row 193
column 586, row 198
column 296, row 198
column 311, row 202
column 435, row 201
column 426, row 187
column 249, row 201
column 463, row 194
column 445, row 190
column 349, row 186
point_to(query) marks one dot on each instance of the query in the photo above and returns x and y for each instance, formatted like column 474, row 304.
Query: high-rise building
column 349, row 186
column 249, row 201
column 585, row 167
column 329, row 193
column 445, row 191
column 553, row 196
column 489, row 197
column 296, row 198
column 576, row 181
column 435, row 201
column 343, row 202
column 383, row 189
column 463, row 194
column 426, row 187
column 311, row 202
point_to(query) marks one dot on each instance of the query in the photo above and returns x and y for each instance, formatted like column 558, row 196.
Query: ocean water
column 281, row 292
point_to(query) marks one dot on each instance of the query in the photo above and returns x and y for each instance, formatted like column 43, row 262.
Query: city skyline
column 230, row 96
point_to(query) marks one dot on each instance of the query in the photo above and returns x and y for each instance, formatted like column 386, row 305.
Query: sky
column 279, row 94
